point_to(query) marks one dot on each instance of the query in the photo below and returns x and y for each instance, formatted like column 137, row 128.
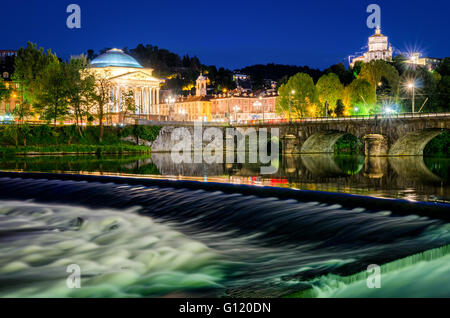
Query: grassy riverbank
column 27, row 139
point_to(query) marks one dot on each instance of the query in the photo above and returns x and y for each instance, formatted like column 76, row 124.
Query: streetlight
column 375, row 104
column 412, row 87
column 290, row 93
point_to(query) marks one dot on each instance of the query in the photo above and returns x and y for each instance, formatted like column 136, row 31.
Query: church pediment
column 136, row 76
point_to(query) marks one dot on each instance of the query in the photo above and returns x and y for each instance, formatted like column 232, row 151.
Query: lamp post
column 375, row 103
column 292, row 92
column 412, row 87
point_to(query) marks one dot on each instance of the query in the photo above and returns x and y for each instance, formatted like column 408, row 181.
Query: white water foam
column 120, row 253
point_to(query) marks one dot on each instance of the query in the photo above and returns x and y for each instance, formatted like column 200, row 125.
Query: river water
column 148, row 240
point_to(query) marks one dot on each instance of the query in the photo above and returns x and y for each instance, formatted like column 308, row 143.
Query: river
column 150, row 240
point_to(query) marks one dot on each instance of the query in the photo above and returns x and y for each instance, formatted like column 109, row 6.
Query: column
column 120, row 99
column 117, row 98
column 136, row 100
column 146, row 105
column 158, row 110
column 150, row 101
column 157, row 96
column 152, row 98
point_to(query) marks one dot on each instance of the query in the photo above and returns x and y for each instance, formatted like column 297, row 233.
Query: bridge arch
column 413, row 143
column 322, row 141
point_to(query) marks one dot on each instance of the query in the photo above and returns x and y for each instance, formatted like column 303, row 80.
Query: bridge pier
column 375, row 145
column 289, row 144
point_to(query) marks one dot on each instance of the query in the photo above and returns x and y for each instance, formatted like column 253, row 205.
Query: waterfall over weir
column 134, row 237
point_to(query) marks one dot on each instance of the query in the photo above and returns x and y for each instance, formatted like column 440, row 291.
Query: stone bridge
column 381, row 135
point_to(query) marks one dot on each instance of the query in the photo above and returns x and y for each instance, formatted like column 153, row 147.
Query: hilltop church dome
column 115, row 57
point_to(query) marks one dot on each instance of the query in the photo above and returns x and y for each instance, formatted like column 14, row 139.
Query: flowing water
column 147, row 240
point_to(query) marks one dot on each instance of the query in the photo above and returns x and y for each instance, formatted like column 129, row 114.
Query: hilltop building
column 379, row 49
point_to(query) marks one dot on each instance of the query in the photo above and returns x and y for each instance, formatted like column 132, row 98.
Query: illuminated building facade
column 429, row 62
column 243, row 107
column 226, row 107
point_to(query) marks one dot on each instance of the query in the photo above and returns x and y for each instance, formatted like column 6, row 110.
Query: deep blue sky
column 230, row 33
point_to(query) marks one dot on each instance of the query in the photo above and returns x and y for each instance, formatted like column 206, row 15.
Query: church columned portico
column 126, row 75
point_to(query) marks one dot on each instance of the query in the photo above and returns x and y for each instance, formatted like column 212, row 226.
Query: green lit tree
column 377, row 70
column 360, row 92
column 329, row 91
column 299, row 92
column 80, row 85
column 52, row 97
column 29, row 65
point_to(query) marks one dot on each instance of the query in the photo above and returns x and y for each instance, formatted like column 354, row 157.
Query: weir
column 290, row 234
column 402, row 207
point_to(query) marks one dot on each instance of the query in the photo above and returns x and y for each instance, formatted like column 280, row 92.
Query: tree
column 22, row 112
column 444, row 67
column 304, row 95
column 344, row 75
column 128, row 105
column 442, row 101
column 102, row 98
column 329, row 90
column 360, row 91
column 52, row 97
column 29, row 66
column 357, row 68
column 377, row 70
column 80, row 86
column 425, row 88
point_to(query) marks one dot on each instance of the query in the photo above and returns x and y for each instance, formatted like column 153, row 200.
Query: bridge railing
column 342, row 119
column 302, row 120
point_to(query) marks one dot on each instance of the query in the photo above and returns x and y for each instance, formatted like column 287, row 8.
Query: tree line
column 367, row 88
column 59, row 91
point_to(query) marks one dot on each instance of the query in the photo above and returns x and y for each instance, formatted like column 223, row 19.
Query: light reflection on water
column 412, row 178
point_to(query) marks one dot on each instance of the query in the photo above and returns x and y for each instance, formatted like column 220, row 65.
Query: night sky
column 230, row 33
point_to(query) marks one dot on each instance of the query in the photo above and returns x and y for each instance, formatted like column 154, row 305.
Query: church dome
column 115, row 57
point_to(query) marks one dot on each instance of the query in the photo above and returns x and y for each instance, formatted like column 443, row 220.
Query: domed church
column 126, row 74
